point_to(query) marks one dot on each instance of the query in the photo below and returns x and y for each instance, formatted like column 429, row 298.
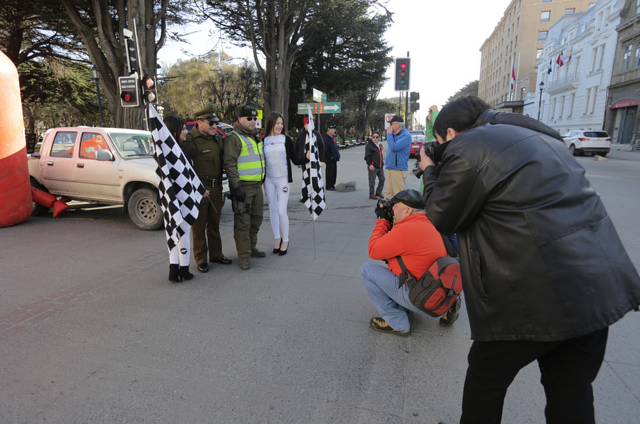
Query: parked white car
column 588, row 142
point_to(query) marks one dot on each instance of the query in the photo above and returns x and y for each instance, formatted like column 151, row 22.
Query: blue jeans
column 391, row 302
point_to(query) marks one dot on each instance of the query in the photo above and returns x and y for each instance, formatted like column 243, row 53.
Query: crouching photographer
column 402, row 229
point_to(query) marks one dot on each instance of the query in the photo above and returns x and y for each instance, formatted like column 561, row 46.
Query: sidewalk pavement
column 92, row 332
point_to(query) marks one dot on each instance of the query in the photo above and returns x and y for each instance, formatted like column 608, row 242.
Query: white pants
column 277, row 191
column 180, row 253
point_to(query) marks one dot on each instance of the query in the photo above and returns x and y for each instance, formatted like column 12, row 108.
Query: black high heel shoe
column 174, row 276
column 277, row 250
column 184, row 273
column 284, row 252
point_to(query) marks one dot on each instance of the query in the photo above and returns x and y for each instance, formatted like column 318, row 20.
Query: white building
column 574, row 95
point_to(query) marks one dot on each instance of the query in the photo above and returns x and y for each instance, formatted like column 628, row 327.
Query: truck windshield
column 133, row 144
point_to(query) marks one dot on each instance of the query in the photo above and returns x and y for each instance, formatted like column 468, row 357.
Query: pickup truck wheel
column 144, row 210
column 39, row 210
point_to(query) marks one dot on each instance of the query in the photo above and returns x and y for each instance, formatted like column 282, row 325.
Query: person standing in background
column 375, row 165
column 431, row 118
column 399, row 145
column 331, row 157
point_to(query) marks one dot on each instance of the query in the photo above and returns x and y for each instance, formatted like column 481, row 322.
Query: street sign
column 387, row 118
column 259, row 114
column 330, row 107
column 319, row 96
column 324, row 97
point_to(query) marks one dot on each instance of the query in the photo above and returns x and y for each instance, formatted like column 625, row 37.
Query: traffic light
column 149, row 88
column 403, row 72
column 415, row 106
column 414, row 96
column 129, row 91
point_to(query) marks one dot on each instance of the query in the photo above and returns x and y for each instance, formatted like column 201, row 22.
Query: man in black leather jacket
column 544, row 271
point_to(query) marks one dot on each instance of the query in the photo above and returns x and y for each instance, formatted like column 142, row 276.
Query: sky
column 443, row 39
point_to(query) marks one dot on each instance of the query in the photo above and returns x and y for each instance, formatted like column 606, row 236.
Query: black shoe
column 203, row 267
column 257, row 253
column 284, row 252
column 277, row 249
column 184, row 273
column 223, row 260
column 381, row 325
column 174, row 276
column 451, row 316
column 331, row 188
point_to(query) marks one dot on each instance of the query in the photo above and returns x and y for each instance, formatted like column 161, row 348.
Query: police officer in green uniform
column 245, row 167
column 205, row 148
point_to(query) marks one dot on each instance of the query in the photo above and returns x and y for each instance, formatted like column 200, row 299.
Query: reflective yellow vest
column 251, row 165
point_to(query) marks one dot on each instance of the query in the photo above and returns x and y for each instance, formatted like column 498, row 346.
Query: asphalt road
column 91, row 331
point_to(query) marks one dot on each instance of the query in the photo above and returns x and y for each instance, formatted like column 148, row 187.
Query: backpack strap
column 405, row 271
column 447, row 245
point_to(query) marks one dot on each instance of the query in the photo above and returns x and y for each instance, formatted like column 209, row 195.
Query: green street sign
column 303, row 108
column 332, row 107
column 317, row 95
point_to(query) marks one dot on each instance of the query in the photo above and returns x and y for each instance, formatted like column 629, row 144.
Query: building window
column 542, row 35
column 539, row 53
column 636, row 59
column 587, row 97
column 570, row 11
column 549, row 1
column 594, row 60
column 561, row 107
column 601, row 57
column 544, row 16
column 595, row 96
column 637, row 6
column 626, row 57
column 553, row 109
column 571, row 102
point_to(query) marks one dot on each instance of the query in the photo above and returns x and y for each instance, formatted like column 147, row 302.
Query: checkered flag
column 313, row 189
column 180, row 188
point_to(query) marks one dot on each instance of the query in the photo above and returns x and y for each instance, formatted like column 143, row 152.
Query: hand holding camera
column 384, row 210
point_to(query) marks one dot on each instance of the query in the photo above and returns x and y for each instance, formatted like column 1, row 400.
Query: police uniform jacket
column 232, row 150
column 206, row 153
column 540, row 257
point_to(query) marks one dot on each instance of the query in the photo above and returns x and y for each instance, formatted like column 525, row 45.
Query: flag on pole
column 560, row 60
column 513, row 75
column 570, row 57
column 550, row 64
column 180, row 188
column 313, row 189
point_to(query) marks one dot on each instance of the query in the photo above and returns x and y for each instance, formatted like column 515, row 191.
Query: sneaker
column 451, row 316
column 245, row 263
column 381, row 325
column 258, row 253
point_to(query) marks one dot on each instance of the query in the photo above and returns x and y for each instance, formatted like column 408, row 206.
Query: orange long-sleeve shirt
column 414, row 238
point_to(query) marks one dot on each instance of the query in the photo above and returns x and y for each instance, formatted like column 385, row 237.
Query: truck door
column 94, row 179
column 56, row 168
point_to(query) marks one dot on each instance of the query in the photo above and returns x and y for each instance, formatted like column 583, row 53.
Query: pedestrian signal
column 403, row 72
column 149, row 88
column 129, row 91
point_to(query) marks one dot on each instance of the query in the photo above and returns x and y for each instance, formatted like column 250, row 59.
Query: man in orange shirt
column 416, row 240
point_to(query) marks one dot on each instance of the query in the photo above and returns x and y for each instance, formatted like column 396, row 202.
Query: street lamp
column 540, row 101
column 96, row 76
column 304, row 91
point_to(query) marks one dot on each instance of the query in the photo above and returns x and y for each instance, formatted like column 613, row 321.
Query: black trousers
column 332, row 173
column 568, row 368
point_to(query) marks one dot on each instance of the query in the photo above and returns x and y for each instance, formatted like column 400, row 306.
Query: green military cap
column 245, row 110
column 207, row 113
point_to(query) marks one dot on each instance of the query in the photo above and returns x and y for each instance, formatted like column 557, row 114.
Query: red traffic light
column 147, row 82
column 126, row 96
column 403, row 65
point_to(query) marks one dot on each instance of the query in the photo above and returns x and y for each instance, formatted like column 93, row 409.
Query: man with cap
column 204, row 146
column 399, row 146
column 245, row 166
column 402, row 231
column 301, row 141
column 331, row 157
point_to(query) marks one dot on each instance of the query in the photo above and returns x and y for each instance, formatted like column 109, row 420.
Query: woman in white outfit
column 279, row 153
column 179, row 255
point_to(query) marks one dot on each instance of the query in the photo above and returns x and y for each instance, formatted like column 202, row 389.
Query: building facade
column 575, row 69
column 624, row 91
column 517, row 42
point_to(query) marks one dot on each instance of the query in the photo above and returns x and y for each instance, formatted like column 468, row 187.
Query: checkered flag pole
column 313, row 190
column 180, row 188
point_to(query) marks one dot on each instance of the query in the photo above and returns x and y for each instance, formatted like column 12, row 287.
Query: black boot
column 173, row 274
column 185, row 274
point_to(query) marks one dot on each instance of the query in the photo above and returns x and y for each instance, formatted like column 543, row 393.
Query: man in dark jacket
column 331, row 158
column 544, row 271
column 375, row 165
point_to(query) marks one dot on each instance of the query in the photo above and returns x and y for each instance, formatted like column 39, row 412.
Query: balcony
column 566, row 83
